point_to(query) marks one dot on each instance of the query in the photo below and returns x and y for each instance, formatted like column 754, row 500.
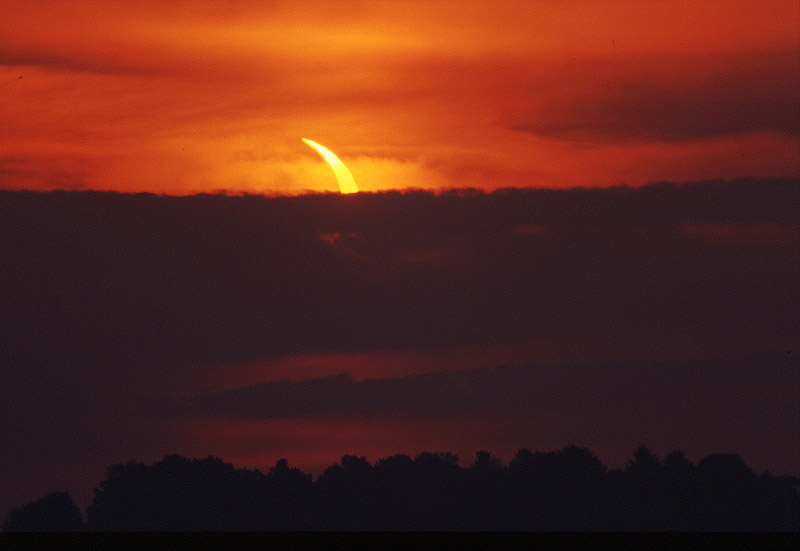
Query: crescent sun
column 345, row 180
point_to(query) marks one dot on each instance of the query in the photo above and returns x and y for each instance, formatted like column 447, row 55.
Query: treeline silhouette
column 565, row 490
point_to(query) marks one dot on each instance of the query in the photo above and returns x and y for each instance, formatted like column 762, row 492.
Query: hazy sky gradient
column 138, row 96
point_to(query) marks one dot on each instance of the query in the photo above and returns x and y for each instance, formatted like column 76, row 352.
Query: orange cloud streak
column 194, row 97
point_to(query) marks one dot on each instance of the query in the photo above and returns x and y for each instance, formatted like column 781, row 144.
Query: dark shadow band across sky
column 113, row 303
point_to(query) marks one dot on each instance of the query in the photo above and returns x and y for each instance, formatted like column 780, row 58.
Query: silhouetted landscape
column 315, row 326
column 565, row 490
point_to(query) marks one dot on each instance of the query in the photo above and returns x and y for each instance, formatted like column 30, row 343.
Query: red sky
column 180, row 98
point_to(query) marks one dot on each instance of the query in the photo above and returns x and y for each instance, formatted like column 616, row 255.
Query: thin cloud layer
column 678, row 392
column 151, row 281
column 197, row 98
column 711, row 96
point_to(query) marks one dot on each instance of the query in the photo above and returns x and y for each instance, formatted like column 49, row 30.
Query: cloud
column 617, row 391
column 669, row 99
column 745, row 403
column 144, row 280
column 193, row 98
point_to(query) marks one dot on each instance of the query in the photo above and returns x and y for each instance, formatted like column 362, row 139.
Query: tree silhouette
column 569, row 489
column 54, row 512
column 558, row 490
column 344, row 495
column 182, row 494
column 486, row 487
column 438, row 491
column 640, row 490
column 396, row 492
column 290, row 506
column 727, row 493
column 676, row 500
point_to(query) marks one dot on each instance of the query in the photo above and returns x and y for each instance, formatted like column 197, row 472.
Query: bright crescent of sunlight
column 346, row 182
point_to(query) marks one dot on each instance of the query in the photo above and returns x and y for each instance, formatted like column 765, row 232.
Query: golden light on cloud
column 345, row 180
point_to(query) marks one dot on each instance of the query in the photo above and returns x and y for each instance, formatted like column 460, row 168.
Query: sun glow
column 345, row 180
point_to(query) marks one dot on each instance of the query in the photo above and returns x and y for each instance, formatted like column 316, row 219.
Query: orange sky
column 138, row 96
